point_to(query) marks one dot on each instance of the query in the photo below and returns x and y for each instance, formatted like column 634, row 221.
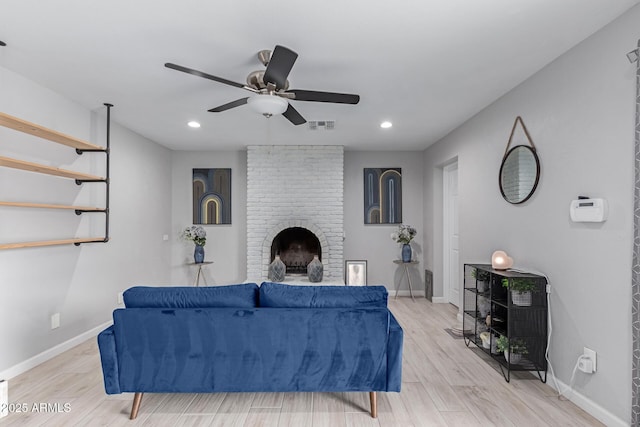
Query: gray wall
column 226, row 244
column 81, row 283
column 579, row 111
column 373, row 242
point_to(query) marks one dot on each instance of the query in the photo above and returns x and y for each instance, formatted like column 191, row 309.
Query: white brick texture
column 295, row 186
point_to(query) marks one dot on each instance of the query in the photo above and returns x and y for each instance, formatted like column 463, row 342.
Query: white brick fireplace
column 295, row 186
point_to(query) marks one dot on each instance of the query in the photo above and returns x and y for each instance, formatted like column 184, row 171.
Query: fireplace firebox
column 296, row 247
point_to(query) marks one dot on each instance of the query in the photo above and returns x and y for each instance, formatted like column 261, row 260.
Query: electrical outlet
column 4, row 398
column 587, row 352
column 120, row 298
column 55, row 321
column 165, row 237
column 585, row 365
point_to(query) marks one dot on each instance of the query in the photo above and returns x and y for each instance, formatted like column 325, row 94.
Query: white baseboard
column 439, row 300
column 36, row 360
column 595, row 410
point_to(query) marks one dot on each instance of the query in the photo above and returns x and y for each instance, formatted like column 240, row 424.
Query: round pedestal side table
column 200, row 273
column 405, row 272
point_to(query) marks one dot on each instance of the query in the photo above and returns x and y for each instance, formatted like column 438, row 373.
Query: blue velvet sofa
column 245, row 338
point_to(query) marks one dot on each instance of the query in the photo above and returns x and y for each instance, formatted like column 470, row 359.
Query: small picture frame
column 355, row 273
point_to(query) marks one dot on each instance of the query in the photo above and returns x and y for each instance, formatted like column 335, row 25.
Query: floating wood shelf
column 81, row 146
column 51, row 243
column 42, row 132
column 50, row 206
column 49, row 170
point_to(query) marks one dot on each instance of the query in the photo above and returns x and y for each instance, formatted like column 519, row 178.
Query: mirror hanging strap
column 513, row 129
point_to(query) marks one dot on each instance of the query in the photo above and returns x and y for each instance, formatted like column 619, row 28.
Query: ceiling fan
column 270, row 87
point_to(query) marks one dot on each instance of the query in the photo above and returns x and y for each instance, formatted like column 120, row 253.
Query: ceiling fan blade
column 312, row 95
column 205, row 75
column 280, row 64
column 230, row 105
column 293, row 116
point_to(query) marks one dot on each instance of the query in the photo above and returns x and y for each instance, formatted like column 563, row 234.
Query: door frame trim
column 446, row 226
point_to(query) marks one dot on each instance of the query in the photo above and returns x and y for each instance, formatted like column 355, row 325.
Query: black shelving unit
column 489, row 307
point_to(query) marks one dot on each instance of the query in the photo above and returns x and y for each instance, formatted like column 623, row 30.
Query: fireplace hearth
column 296, row 247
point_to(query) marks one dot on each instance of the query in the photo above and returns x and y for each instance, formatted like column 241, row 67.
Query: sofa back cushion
column 204, row 350
column 292, row 296
column 240, row 296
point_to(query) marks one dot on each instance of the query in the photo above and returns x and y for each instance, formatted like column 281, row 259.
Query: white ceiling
column 426, row 65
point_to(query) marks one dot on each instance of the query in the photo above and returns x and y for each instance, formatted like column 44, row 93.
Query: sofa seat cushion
column 240, row 296
column 292, row 296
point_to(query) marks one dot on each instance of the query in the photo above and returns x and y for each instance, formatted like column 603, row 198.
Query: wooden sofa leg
column 373, row 397
column 137, row 398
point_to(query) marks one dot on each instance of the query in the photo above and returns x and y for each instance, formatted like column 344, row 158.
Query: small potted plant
column 197, row 235
column 521, row 288
column 513, row 350
column 405, row 235
column 482, row 279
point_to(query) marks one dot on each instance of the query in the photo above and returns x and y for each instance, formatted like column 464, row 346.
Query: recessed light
column 386, row 125
column 193, row 124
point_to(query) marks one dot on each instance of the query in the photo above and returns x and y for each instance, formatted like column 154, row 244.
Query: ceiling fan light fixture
column 268, row 105
column 270, row 88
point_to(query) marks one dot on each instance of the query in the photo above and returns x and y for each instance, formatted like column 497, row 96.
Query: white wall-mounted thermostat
column 588, row 210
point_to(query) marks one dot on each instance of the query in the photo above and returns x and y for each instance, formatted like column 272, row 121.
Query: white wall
column 81, row 283
column 373, row 242
column 226, row 244
column 579, row 111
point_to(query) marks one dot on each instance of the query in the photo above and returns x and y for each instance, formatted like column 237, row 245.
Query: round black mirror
column 519, row 174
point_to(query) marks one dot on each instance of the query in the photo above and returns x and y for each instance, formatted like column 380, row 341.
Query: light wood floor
column 444, row 384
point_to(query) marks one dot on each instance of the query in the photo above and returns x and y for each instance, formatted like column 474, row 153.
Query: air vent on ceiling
column 322, row 124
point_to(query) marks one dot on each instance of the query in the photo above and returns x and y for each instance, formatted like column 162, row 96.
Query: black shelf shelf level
column 489, row 307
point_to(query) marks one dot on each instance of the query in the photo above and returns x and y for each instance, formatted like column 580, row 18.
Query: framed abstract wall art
column 383, row 195
column 212, row 196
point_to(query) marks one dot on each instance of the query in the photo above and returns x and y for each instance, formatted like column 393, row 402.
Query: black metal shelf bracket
column 105, row 240
column 82, row 181
column 106, row 180
column 81, row 211
column 79, row 151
